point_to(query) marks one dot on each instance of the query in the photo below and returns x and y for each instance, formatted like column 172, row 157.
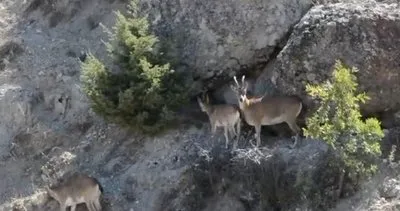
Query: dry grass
column 26, row 203
column 256, row 155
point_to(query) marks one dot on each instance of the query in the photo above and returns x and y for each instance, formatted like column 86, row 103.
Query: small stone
column 311, row 76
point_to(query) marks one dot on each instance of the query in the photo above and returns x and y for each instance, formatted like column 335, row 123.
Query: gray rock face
column 218, row 38
column 15, row 107
column 361, row 35
column 267, row 178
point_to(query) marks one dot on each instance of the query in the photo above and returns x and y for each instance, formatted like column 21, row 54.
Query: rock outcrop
column 48, row 130
column 276, row 178
column 363, row 35
column 208, row 40
column 219, row 38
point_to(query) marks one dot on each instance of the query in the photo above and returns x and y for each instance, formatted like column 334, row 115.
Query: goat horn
column 234, row 78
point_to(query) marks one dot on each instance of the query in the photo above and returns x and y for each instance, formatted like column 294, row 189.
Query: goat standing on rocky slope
column 78, row 189
column 268, row 110
column 222, row 115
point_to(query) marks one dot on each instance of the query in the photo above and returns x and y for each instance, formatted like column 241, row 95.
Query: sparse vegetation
column 338, row 121
column 266, row 179
column 144, row 92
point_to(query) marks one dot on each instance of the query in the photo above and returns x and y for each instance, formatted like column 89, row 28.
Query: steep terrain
column 47, row 129
column 361, row 35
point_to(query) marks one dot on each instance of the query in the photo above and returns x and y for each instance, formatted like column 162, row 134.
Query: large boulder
column 215, row 39
column 363, row 35
column 209, row 40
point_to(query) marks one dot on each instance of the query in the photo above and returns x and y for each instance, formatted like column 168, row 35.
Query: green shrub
column 142, row 92
column 338, row 121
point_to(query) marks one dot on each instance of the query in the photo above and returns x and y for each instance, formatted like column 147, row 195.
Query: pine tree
column 143, row 93
column 338, row 121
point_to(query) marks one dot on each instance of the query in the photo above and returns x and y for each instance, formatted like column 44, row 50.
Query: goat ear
column 257, row 100
column 207, row 99
column 200, row 102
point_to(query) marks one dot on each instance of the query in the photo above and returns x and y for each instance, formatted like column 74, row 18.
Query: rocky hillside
column 48, row 131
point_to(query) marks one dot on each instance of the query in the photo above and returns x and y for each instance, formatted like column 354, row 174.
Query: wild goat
column 267, row 110
column 77, row 189
column 222, row 115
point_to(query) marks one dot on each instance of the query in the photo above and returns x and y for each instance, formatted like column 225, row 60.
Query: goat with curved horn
column 267, row 110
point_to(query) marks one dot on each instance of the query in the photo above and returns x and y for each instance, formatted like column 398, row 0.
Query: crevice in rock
column 279, row 46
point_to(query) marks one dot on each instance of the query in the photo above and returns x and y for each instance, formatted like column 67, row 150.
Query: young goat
column 77, row 189
column 267, row 110
column 222, row 115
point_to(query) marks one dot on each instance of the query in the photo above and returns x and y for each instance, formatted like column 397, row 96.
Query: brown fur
column 223, row 115
column 267, row 110
column 79, row 188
